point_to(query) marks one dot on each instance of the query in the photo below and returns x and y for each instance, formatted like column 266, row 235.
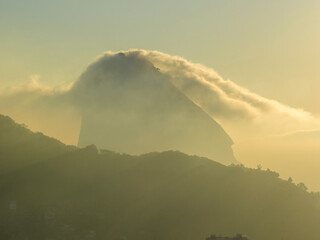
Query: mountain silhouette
column 72, row 193
column 20, row 147
column 129, row 106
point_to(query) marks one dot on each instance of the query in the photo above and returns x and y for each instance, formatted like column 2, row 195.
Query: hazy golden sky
column 271, row 47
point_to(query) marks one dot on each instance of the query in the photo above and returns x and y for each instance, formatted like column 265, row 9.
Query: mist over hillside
column 137, row 101
column 72, row 193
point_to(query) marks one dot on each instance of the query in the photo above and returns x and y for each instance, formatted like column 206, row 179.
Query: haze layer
column 259, row 127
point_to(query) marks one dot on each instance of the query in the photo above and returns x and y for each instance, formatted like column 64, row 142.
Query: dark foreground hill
column 87, row 194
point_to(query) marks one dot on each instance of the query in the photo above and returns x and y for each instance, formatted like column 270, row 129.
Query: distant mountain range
column 52, row 191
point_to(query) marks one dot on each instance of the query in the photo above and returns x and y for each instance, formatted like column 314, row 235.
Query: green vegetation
column 62, row 192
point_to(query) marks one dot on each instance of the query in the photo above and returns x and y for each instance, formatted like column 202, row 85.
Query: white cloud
column 241, row 112
column 236, row 108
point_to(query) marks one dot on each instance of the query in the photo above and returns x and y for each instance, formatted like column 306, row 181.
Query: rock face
column 129, row 106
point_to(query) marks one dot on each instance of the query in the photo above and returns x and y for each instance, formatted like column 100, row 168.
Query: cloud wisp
column 241, row 112
column 236, row 108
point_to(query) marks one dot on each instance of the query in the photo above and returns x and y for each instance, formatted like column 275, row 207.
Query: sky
column 271, row 48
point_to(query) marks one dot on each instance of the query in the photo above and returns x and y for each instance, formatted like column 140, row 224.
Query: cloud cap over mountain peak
column 128, row 105
column 233, row 106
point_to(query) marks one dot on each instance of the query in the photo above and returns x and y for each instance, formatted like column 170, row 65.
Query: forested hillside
column 59, row 192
